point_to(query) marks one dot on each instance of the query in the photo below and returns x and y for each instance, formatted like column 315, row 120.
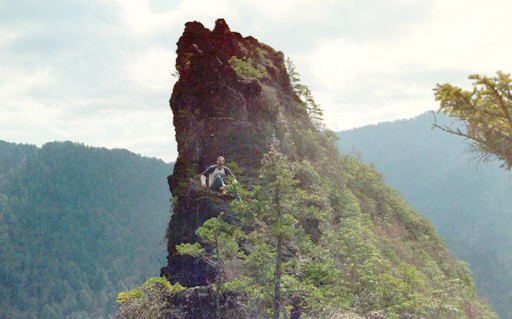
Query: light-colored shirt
column 213, row 171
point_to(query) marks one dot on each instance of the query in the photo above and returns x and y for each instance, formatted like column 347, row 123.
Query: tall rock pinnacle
column 233, row 98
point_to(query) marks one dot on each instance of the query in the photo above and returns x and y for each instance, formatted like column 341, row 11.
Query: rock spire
column 233, row 98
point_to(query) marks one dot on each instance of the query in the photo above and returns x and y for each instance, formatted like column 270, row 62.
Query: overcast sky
column 99, row 72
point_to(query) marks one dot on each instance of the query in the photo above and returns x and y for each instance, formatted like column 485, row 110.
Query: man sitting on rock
column 216, row 174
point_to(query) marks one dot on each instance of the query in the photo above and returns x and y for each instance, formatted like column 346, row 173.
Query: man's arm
column 207, row 172
column 230, row 173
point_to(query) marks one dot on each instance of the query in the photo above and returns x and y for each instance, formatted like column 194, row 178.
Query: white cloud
column 469, row 35
column 6, row 37
column 21, row 82
column 99, row 72
column 137, row 17
column 358, row 79
column 151, row 70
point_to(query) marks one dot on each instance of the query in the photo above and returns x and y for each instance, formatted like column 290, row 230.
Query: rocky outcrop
column 200, row 303
column 355, row 245
column 233, row 98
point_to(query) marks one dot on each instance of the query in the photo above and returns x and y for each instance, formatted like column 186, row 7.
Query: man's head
column 220, row 161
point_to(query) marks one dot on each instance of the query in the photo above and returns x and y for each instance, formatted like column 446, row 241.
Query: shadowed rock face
column 233, row 98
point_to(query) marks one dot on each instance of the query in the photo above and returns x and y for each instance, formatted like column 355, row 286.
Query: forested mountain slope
column 314, row 234
column 77, row 224
column 470, row 206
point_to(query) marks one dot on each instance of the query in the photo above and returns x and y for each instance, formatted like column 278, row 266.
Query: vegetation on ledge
column 316, row 234
column 309, row 243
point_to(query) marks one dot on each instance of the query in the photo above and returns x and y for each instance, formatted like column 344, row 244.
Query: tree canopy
column 485, row 115
column 77, row 224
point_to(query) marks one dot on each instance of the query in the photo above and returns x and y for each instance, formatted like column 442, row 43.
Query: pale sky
column 99, row 72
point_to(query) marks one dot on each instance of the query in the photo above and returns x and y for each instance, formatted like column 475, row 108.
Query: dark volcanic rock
column 221, row 110
column 199, row 303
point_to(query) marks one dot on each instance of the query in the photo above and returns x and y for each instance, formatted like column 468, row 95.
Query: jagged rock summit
column 233, row 98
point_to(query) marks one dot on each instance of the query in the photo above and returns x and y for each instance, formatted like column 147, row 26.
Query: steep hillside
column 77, row 224
column 470, row 206
column 314, row 235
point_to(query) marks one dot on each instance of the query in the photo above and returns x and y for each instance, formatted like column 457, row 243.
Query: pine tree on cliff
column 279, row 182
column 276, row 206
column 269, row 226
column 315, row 112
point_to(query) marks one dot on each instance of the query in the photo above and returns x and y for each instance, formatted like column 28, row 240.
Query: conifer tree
column 304, row 93
column 485, row 114
column 271, row 214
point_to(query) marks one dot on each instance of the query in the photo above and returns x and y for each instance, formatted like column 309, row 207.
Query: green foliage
column 77, row 225
column 469, row 208
column 371, row 252
column 164, row 284
column 245, row 68
column 485, row 114
column 127, row 296
column 281, row 206
column 374, row 254
column 194, row 249
column 320, row 235
column 148, row 301
column 222, row 238
column 314, row 243
column 319, row 243
column 252, row 255
column 293, row 74
column 305, row 94
column 217, row 233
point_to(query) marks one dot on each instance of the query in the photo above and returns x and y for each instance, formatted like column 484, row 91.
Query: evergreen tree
column 485, row 114
column 304, row 93
column 275, row 209
column 77, row 224
column 265, row 235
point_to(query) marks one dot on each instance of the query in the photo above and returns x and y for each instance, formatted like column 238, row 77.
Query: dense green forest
column 77, row 224
column 469, row 202
column 307, row 243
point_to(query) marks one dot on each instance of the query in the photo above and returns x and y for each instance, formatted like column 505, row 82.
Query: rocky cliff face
column 350, row 245
column 233, row 98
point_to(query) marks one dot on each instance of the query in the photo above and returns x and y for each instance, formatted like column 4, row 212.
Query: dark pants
column 217, row 183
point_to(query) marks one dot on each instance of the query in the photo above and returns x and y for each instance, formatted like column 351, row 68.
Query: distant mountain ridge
column 470, row 206
column 77, row 224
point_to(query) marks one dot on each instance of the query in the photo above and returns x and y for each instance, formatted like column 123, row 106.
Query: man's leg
column 217, row 183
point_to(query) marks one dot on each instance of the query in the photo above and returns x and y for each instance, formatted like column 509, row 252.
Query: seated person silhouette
column 216, row 175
